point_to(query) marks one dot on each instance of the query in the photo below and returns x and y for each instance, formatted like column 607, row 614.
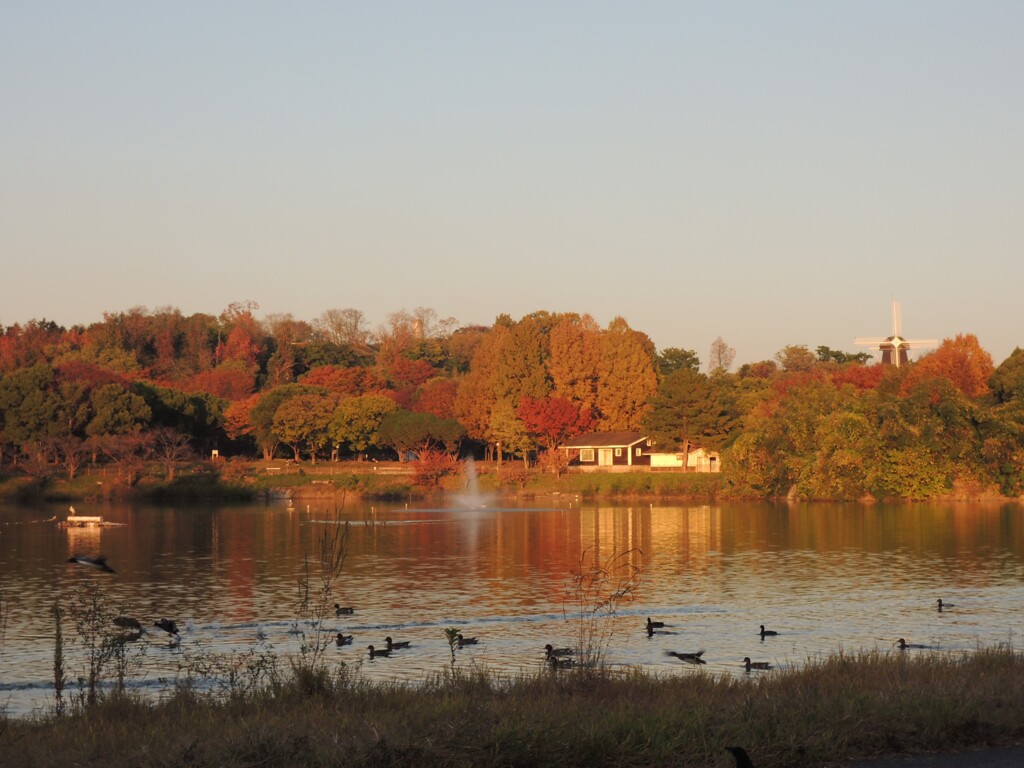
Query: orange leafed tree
column 402, row 372
column 239, row 345
column 575, row 359
column 230, row 380
column 237, row 418
column 345, row 381
column 436, row 396
column 860, row 376
column 626, row 379
column 961, row 361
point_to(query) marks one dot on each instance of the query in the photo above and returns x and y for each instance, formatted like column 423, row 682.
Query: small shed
column 703, row 460
column 693, row 460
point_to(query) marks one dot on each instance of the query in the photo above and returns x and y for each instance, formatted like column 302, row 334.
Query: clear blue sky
column 771, row 173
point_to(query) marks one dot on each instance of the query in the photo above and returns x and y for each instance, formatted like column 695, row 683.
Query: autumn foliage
column 828, row 426
column 553, row 420
column 960, row 361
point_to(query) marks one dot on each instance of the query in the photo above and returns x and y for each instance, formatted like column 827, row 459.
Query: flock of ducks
column 696, row 657
column 556, row 658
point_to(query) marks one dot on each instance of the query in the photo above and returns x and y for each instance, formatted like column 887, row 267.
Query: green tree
column 672, row 359
column 261, row 417
column 30, row 407
column 829, row 355
column 907, row 473
column 780, row 437
column 1001, row 432
column 305, row 420
column 691, row 408
column 356, row 422
column 196, row 414
column 510, row 434
column 675, row 412
column 116, row 411
column 839, row 468
column 1007, row 381
column 406, row 431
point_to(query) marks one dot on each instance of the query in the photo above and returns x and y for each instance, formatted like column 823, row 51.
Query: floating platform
column 87, row 521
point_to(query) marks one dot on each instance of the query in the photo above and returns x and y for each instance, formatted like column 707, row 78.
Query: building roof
column 605, row 440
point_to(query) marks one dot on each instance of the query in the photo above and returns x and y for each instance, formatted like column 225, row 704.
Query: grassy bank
column 238, row 481
column 825, row 713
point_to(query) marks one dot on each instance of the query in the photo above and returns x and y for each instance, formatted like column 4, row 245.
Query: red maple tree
column 552, row 420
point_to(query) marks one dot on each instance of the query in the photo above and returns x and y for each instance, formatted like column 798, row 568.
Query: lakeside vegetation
column 830, row 710
column 140, row 389
column 251, row 481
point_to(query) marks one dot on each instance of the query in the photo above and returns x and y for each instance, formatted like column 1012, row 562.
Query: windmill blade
column 893, row 348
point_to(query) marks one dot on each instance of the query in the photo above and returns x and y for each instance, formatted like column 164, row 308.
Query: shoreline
column 246, row 482
column 868, row 710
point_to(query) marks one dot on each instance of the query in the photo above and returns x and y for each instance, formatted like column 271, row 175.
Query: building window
column 637, row 451
column 618, row 451
column 587, row 454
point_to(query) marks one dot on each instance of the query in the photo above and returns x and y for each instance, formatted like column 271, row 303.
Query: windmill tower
column 894, row 348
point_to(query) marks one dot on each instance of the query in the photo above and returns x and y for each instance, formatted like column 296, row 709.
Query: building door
column 604, row 457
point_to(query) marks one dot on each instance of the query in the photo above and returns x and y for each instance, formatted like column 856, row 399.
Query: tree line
column 142, row 385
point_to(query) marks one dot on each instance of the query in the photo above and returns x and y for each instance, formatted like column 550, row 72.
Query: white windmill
column 894, row 348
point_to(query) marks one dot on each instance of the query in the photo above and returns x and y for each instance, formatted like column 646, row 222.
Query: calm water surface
column 826, row 577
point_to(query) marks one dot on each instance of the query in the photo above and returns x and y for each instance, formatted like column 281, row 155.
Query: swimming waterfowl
column 393, row 646
column 374, row 653
column 99, row 563
column 742, row 758
column 689, row 658
column 127, row 622
column 767, row 632
column 755, row 664
column 343, row 610
column 167, row 625
column 465, row 640
column 903, row 645
column 943, row 605
column 551, row 652
column 653, row 625
column 341, row 640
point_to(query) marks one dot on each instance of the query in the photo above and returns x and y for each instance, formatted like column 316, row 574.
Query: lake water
column 827, row 577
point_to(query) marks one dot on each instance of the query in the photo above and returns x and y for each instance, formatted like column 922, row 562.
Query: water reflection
column 827, row 577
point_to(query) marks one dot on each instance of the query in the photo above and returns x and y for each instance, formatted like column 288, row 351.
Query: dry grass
column 846, row 706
